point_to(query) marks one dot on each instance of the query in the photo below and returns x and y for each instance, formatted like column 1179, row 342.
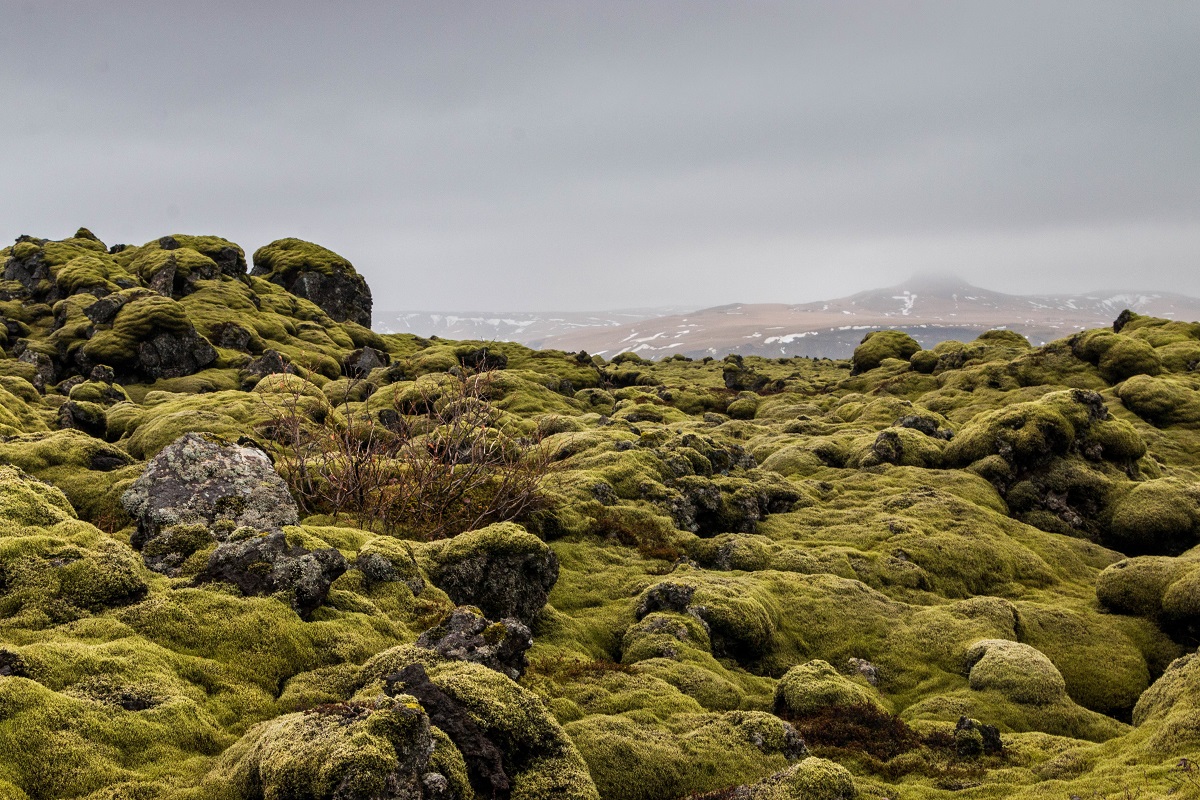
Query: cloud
column 594, row 155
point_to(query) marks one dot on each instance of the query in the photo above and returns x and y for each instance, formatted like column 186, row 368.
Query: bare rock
column 467, row 635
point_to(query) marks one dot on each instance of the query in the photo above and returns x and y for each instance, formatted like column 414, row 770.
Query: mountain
column 929, row 308
column 530, row 328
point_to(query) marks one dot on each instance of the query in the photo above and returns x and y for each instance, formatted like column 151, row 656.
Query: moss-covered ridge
column 732, row 549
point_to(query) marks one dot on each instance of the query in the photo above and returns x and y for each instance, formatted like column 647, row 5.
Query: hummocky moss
column 1157, row 516
column 879, row 345
column 808, row 688
column 1015, row 670
column 717, row 527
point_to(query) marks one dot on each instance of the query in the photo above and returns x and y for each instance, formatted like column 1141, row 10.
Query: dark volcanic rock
column 86, row 417
column 466, row 635
column 231, row 336
column 12, row 665
column 503, row 570
column 317, row 274
column 220, row 485
column 174, row 355
column 484, row 760
column 267, row 564
column 270, row 362
column 360, row 362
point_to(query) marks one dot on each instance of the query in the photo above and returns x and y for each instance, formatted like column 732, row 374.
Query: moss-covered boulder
column 503, row 732
column 879, row 345
column 1015, row 670
column 314, row 273
column 144, row 336
column 809, row 688
column 812, row 779
column 344, row 751
column 502, row 569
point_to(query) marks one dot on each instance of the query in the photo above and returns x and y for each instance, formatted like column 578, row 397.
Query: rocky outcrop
column 484, row 760
column 466, row 635
column 314, row 273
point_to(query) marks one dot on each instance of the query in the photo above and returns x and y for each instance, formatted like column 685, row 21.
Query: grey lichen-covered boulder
column 344, row 751
column 501, row 569
column 317, row 274
column 268, row 564
column 467, row 635
column 201, row 480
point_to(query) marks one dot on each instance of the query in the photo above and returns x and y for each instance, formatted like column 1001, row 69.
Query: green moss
column 1015, row 670
column 1136, row 585
column 808, row 688
column 811, row 779
column 1168, row 711
column 879, row 345
column 1157, row 516
column 27, row 502
column 343, row 751
column 633, row 760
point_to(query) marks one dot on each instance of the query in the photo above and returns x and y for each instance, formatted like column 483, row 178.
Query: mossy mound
column 1015, row 670
column 877, row 346
column 310, row 271
column 809, row 688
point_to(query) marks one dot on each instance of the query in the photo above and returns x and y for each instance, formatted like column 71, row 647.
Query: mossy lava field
column 252, row 550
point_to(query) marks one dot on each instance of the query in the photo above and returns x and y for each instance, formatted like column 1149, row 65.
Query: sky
column 599, row 155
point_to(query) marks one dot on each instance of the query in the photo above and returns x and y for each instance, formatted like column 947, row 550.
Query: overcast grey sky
column 591, row 155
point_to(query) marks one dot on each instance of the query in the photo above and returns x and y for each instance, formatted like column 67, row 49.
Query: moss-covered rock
column 879, row 345
column 354, row 751
column 808, row 688
column 1015, row 670
column 502, row 569
column 310, row 271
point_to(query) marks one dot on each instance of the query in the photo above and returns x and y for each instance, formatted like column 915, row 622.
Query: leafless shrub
column 435, row 465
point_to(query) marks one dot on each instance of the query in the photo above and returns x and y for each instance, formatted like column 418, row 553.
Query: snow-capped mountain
column 931, row 309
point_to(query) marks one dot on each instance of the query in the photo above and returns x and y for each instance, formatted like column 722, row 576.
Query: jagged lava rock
column 263, row 565
column 467, row 635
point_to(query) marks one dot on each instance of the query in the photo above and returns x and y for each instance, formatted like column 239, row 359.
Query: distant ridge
column 930, row 307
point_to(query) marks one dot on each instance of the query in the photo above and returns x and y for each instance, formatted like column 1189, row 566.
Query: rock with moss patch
column 314, row 273
column 263, row 565
column 812, row 779
column 344, row 751
column 202, row 480
column 501, row 569
column 467, row 635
